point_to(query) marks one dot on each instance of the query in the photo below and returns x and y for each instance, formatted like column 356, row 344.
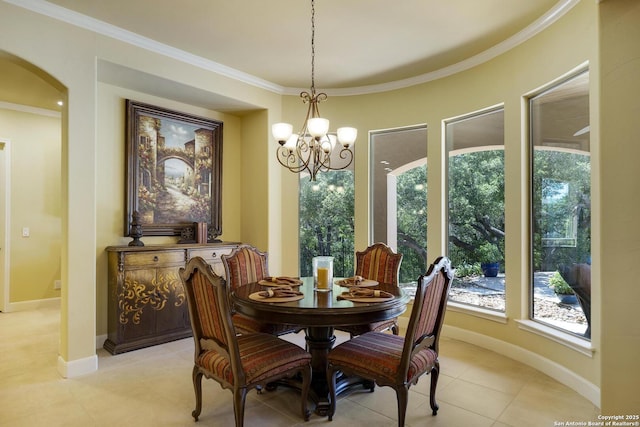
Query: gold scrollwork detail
column 135, row 295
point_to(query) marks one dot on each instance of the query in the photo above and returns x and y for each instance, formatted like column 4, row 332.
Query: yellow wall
column 260, row 197
column 35, row 203
column 620, row 201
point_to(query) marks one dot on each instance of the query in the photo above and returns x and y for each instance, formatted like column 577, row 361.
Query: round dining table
column 318, row 313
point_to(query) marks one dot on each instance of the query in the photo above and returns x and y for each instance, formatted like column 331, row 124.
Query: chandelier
column 311, row 149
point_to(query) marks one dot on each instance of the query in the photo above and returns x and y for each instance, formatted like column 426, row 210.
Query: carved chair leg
column 197, row 387
column 435, row 373
column 239, row 395
column 402, row 394
column 306, row 382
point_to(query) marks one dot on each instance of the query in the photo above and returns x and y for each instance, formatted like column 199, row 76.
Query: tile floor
column 152, row 387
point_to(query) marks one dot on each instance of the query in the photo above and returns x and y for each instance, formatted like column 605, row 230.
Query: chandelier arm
column 345, row 153
column 287, row 159
column 304, row 151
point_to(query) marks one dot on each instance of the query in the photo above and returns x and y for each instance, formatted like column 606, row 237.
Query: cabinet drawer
column 211, row 255
column 154, row 258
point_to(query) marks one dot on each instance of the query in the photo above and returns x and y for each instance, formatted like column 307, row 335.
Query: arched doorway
column 30, row 221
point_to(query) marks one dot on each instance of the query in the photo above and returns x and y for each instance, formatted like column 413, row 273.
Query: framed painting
column 173, row 171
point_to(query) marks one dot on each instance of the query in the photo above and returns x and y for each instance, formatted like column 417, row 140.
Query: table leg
column 320, row 340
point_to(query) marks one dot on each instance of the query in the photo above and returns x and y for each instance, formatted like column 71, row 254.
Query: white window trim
column 581, row 345
column 478, row 311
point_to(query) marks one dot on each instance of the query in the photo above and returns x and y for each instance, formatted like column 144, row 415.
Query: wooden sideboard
column 147, row 302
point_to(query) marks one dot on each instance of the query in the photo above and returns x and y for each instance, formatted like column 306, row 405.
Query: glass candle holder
column 323, row 273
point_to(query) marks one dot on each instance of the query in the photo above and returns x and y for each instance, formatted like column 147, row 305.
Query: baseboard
column 563, row 375
column 78, row 367
column 556, row 371
column 34, row 304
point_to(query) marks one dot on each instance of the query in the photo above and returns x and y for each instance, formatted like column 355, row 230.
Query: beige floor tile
column 543, row 401
column 479, row 399
column 383, row 401
column 153, row 387
column 448, row 416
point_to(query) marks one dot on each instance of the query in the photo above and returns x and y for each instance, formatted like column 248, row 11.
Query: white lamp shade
column 328, row 142
column 318, row 126
column 291, row 142
column 281, row 131
column 347, row 135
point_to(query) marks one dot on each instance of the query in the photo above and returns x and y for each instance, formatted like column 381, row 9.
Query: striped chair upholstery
column 394, row 361
column 377, row 262
column 238, row 362
column 243, row 265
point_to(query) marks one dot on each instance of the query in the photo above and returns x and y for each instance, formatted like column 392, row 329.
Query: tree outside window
column 327, row 221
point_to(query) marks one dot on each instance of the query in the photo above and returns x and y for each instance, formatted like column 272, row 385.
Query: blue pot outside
column 490, row 269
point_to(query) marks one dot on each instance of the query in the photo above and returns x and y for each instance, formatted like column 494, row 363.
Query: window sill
column 494, row 316
column 578, row 344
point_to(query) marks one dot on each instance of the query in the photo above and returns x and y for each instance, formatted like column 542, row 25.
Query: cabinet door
column 136, row 300
column 174, row 315
column 152, row 301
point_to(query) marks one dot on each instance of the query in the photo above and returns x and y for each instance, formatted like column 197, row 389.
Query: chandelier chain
column 313, row 47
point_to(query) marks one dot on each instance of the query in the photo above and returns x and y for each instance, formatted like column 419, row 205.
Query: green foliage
column 558, row 284
column 476, row 213
column 488, row 253
column 412, row 222
column 554, row 171
column 468, row 270
column 326, row 221
column 476, row 207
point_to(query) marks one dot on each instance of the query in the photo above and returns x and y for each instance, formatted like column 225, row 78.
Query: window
column 561, row 206
column 327, row 221
column 398, row 168
column 475, row 145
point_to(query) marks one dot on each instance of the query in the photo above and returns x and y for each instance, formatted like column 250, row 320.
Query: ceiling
column 367, row 44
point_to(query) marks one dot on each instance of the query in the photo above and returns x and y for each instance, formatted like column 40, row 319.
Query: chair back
column 210, row 314
column 379, row 262
column 245, row 264
column 427, row 314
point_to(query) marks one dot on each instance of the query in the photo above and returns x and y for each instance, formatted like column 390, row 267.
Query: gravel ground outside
column 488, row 292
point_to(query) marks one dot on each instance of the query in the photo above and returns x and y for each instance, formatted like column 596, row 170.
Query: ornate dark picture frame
column 173, row 171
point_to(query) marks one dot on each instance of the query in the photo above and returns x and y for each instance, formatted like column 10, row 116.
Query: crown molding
column 31, row 110
column 100, row 27
column 555, row 13
column 43, row 7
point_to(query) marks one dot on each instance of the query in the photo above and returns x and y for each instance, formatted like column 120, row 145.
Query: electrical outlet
column 25, row 231
column 57, row 284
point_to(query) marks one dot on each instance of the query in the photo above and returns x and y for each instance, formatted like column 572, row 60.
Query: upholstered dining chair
column 377, row 262
column 246, row 264
column 394, row 361
column 238, row 362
